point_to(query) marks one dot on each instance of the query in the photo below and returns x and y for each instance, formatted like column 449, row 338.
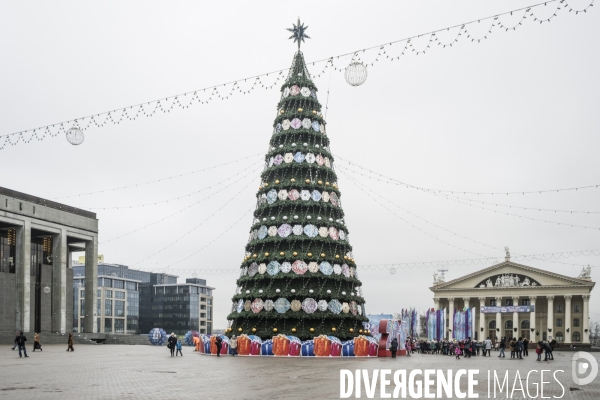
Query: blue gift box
column 206, row 345
column 308, row 348
column 266, row 349
column 348, row 349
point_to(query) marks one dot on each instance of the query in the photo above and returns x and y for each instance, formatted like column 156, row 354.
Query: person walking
column 488, row 347
column 178, row 345
column 394, row 347
column 502, row 347
column 457, row 352
column 36, row 342
column 548, row 356
column 219, row 344
column 525, row 347
column 21, row 339
column 512, row 345
column 233, row 345
column 407, row 344
column 172, row 343
column 70, row 343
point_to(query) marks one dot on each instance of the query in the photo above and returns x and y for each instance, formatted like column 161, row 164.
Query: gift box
column 373, row 347
column 361, row 346
column 243, row 346
column 336, row 346
column 224, row 344
column 295, row 346
column 267, row 348
column 255, row 345
column 348, row 348
column 281, row 345
column 307, row 348
column 205, row 344
column 322, row 346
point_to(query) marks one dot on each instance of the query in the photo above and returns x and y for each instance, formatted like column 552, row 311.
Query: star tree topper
column 298, row 33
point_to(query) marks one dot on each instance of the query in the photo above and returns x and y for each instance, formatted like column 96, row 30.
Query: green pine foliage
column 275, row 208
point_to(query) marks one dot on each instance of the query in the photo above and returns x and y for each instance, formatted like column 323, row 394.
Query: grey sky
column 515, row 112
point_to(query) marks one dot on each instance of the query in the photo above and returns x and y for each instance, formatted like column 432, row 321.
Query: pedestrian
column 538, row 351
column 219, row 343
column 394, row 347
column 468, row 345
column 197, row 343
column 36, row 342
column 172, row 343
column 512, row 345
column 548, row 356
column 233, row 345
column 15, row 343
column 178, row 345
column 21, row 339
column 408, row 347
column 525, row 346
column 457, row 352
column 488, row 347
column 502, row 347
column 520, row 348
column 70, row 343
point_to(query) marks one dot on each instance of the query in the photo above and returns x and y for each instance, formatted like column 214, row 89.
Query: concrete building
column 517, row 300
column 37, row 237
column 177, row 307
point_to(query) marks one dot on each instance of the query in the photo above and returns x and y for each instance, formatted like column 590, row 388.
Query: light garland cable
column 410, row 186
column 409, row 223
column 174, row 198
column 176, row 212
column 195, row 227
column 158, row 180
column 363, row 187
column 185, row 100
column 509, row 214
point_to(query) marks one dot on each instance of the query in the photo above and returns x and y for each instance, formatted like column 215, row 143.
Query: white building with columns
column 37, row 237
column 515, row 300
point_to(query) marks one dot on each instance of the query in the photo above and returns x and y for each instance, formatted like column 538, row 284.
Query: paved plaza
column 148, row 372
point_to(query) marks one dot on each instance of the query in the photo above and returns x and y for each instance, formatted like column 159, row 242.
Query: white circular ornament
column 284, row 218
column 247, row 292
column 277, row 290
column 356, row 73
column 328, row 291
column 305, row 92
column 311, row 291
column 293, row 144
column 260, row 291
column 343, row 293
column 305, row 144
column 75, row 136
column 293, row 290
column 295, row 217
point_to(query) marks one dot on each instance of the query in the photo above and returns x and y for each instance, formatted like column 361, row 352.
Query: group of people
column 20, row 340
column 518, row 347
column 173, row 343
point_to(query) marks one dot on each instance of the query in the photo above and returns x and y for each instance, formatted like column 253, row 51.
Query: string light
column 410, row 186
column 225, row 90
column 158, row 180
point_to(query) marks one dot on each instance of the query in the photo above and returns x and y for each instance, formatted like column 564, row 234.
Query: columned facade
column 520, row 301
column 37, row 237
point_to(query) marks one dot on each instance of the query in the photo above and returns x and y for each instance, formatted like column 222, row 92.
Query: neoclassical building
column 512, row 299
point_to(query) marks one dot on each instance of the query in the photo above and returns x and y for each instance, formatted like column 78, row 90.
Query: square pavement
column 149, row 372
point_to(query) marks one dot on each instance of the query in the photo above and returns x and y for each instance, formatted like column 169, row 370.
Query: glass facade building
column 133, row 302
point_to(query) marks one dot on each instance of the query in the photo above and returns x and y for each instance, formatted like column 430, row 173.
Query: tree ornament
column 356, row 73
column 337, row 256
column 240, row 329
column 351, row 330
column 281, row 253
column 293, row 290
column 343, row 293
column 292, row 180
column 247, row 292
column 266, row 184
column 309, row 254
column 311, row 291
column 253, row 329
column 307, row 181
column 266, row 254
column 320, row 182
column 326, row 183
column 300, row 110
column 322, row 254
column 275, row 330
column 295, row 254
column 277, row 182
column 328, row 291
column 254, row 255
column 360, row 331
column 314, row 111
column 282, row 111
column 333, row 329
column 75, row 136
column 312, row 329
column 293, row 330
column 277, row 290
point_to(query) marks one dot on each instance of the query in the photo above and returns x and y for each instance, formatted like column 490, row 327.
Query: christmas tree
column 298, row 276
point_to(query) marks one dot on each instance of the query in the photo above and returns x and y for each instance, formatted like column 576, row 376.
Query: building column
column 23, row 276
column 586, row 319
column 450, row 318
column 500, row 332
column 436, row 304
column 481, row 318
column 550, row 323
column 515, row 318
column 91, row 285
column 568, row 319
column 532, row 317
column 59, row 282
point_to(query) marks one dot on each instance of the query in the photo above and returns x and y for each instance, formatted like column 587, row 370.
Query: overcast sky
column 516, row 112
